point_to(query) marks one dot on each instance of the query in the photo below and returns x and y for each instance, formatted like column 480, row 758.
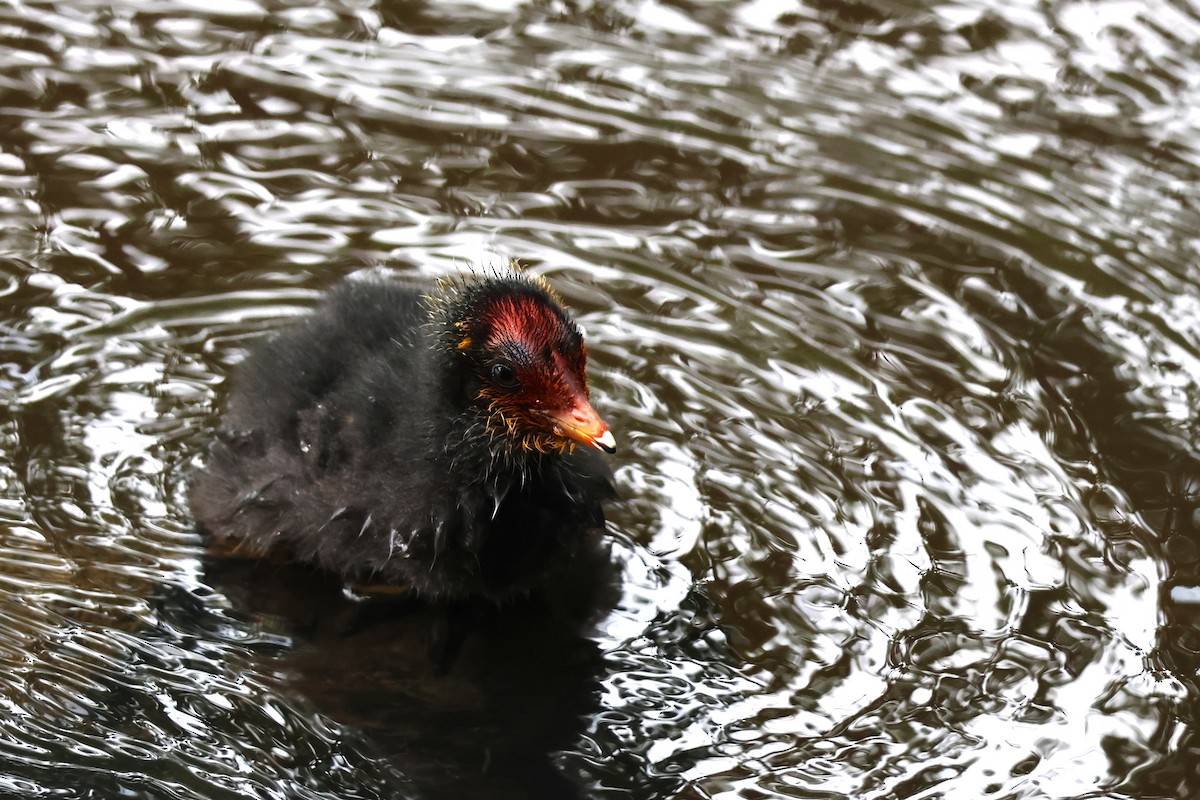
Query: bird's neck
column 481, row 455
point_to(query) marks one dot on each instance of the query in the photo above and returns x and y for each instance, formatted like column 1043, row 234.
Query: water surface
column 894, row 309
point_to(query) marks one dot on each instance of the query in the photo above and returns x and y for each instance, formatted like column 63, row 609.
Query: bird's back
column 311, row 418
column 362, row 323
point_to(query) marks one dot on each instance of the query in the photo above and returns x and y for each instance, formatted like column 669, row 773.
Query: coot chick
column 442, row 441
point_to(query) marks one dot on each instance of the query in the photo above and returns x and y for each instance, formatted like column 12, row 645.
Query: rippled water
column 894, row 308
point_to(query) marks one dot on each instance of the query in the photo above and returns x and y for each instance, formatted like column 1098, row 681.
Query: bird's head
column 528, row 361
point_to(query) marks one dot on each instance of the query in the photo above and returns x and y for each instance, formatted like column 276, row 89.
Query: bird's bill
column 582, row 424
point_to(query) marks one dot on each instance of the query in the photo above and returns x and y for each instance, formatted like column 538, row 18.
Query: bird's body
column 426, row 441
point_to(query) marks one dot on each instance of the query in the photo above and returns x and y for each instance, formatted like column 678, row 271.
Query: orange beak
column 582, row 424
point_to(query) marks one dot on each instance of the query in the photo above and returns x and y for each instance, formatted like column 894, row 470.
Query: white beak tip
column 605, row 442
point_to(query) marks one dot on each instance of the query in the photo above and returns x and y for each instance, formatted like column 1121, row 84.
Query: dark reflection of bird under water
column 469, row 699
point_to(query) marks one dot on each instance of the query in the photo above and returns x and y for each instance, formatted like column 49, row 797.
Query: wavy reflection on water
column 894, row 306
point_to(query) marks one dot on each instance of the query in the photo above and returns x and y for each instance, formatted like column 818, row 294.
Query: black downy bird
column 441, row 442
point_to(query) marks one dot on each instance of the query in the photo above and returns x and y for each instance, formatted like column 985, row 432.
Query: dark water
column 893, row 306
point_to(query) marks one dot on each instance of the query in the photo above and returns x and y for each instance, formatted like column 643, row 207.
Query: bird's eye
column 505, row 376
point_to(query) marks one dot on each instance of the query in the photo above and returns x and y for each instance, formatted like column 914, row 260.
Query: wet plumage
column 440, row 440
